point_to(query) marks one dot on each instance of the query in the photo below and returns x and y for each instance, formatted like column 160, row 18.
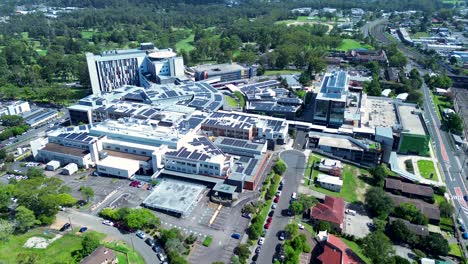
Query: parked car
column 281, row 235
column 140, row 234
column 278, row 193
column 271, row 213
column 261, row 241
column 465, row 235
column 465, row 197
column 161, row 257
column 293, row 196
column 280, row 187
column 255, row 257
column 156, row 249
column 462, row 228
column 134, row 183
column 350, row 212
column 269, row 219
column 65, row 227
column 301, row 226
column 150, row 242
column 276, row 200
column 236, row 236
column 267, row 225
column 248, row 216
column 258, row 249
column 140, row 185
column 273, row 206
column 107, row 222
column 83, row 229
column 264, row 233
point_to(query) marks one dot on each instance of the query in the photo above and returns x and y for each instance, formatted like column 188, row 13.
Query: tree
column 399, row 260
column 65, row 199
column 35, row 172
column 307, row 201
column 324, row 226
column 379, row 173
column 24, row 219
column 90, row 242
column 415, row 97
column 87, row 192
column 174, row 244
column 399, row 232
column 373, row 87
column 435, row 244
column 255, row 230
column 378, row 202
column 296, row 208
column 140, row 218
column 6, row 192
column 377, row 246
column 167, row 234
column 249, row 209
column 6, row 229
column 279, row 167
column 411, row 213
column 242, row 251
column 292, row 230
column 455, row 123
column 446, row 209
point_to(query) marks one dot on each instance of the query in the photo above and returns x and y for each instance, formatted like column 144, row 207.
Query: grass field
column 426, row 168
column 357, row 249
column 348, row 44
column 455, row 250
column 280, row 72
column 87, row 34
column 133, row 256
column 230, row 101
column 186, row 44
column 441, row 102
column 353, row 186
column 61, row 249
column 420, row 35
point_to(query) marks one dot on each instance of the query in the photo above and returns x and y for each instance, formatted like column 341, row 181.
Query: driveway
column 79, row 219
column 356, row 225
column 296, row 162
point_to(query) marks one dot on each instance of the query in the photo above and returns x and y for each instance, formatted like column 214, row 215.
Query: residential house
column 329, row 182
column 431, row 211
column 411, row 190
column 331, row 166
column 101, row 255
column 335, row 251
column 331, row 211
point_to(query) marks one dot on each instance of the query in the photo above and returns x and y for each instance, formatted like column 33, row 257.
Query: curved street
column 296, row 162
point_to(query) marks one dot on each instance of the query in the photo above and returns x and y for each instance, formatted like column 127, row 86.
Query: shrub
column 280, row 167
column 207, row 241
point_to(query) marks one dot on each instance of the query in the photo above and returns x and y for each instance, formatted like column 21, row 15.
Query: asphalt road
column 295, row 160
column 449, row 158
column 79, row 220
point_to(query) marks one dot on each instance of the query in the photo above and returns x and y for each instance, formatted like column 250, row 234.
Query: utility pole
column 69, row 220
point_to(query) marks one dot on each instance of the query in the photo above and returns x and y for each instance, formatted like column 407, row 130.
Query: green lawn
column 60, row 249
column 41, row 52
column 455, row 250
column 353, row 187
column 87, row 34
column 186, row 44
column 310, row 162
column 280, row 72
column 441, row 102
column 357, row 249
column 420, row 35
column 348, row 44
column 439, row 199
column 426, row 168
column 133, row 256
column 230, row 101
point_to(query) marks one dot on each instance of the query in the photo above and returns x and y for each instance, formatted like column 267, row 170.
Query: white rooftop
column 324, row 178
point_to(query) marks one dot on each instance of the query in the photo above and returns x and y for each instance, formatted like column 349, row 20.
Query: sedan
column 140, row 234
column 261, row 241
column 276, row 200
column 107, row 222
column 150, row 242
column 269, row 219
column 258, row 249
column 83, row 229
column 267, row 225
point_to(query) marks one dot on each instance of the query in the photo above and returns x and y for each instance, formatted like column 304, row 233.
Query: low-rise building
column 411, row 190
column 331, row 211
column 331, row 166
column 431, row 211
column 419, row 230
column 329, row 182
column 365, row 56
column 226, row 72
column 414, row 135
column 14, row 108
column 335, row 251
column 70, row 168
column 101, row 255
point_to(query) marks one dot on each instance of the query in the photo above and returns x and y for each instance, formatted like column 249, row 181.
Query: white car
column 278, row 193
column 161, row 257
column 107, row 222
column 301, row 226
column 273, row 206
column 14, row 199
column 350, row 212
column 261, row 241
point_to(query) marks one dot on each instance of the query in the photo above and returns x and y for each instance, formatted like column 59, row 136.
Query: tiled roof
column 336, row 251
column 408, row 188
column 331, row 210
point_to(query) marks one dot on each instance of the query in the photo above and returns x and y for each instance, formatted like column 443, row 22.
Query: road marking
column 459, row 196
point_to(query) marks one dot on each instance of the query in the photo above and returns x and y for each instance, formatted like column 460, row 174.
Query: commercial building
column 113, row 69
column 366, row 152
column 226, row 72
column 70, row 168
column 246, row 126
column 329, row 182
column 365, row 56
column 39, row 117
column 414, row 136
column 330, row 103
column 14, row 108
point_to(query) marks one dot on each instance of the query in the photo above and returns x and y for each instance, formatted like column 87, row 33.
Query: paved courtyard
column 356, row 225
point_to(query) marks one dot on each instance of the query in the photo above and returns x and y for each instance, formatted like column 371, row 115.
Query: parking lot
column 356, row 225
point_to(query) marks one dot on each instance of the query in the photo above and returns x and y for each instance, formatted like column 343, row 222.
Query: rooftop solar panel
column 251, row 166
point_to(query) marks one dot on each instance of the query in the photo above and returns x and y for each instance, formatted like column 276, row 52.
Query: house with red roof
column 331, row 211
column 335, row 251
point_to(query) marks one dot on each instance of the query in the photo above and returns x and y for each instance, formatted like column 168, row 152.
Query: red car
column 134, row 183
column 267, row 225
column 276, row 200
column 269, row 219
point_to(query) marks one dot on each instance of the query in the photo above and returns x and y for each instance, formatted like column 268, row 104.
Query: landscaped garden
column 427, row 169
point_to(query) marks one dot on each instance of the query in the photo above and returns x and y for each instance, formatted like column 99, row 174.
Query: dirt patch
column 299, row 23
column 362, row 187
